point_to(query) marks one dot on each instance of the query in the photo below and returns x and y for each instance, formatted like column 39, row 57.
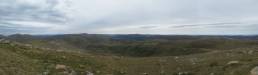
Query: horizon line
column 134, row 34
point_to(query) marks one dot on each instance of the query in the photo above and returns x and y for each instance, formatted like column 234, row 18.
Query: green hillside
column 216, row 57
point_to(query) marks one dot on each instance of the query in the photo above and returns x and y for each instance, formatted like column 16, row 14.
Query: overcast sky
column 194, row 17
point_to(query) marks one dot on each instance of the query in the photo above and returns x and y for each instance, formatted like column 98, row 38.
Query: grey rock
column 254, row 71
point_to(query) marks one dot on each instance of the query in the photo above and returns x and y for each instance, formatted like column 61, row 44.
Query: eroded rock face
column 254, row 71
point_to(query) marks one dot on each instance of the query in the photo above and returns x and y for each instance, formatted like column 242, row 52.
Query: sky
column 180, row 17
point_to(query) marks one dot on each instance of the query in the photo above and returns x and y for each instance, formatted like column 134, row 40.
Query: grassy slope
column 25, row 61
column 13, row 63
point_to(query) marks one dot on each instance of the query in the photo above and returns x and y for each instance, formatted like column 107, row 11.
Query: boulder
column 254, row 71
column 184, row 73
column 61, row 67
column 72, row 73
column 233, row 62
column 89, row 73
column 145, row 73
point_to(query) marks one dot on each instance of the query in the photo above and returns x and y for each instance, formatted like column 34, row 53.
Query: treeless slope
column 12, row 63
column 22, row 60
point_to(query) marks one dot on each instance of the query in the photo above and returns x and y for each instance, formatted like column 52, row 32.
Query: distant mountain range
column 136, row 36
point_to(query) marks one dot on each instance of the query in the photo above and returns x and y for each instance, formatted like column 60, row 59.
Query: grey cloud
column 13, row 10
column 174, row 12
column 11, row 30
column 209, row 24
column 6, row 27
column 86, row 16
column 148, row 27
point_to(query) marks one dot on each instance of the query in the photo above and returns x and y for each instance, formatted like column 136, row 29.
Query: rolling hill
column 100, row 54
